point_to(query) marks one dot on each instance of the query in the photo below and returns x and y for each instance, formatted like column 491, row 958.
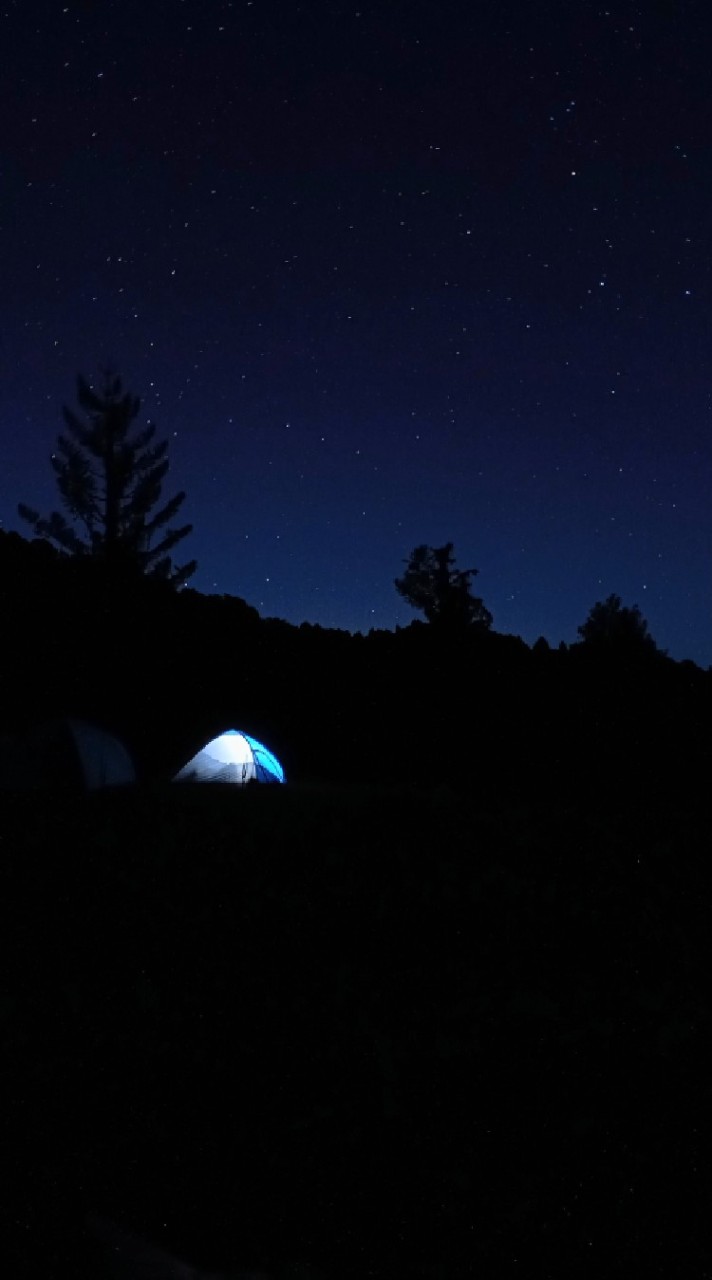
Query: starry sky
column 383, row 274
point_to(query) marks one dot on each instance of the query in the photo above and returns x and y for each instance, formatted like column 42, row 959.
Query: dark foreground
column 358, row 1034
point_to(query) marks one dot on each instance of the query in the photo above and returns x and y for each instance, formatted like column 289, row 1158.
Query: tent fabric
column 233, row 757
column 104, row 760
column 65, row 754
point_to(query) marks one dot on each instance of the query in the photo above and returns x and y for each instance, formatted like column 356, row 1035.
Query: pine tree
column 110, row 481
column 432, row 583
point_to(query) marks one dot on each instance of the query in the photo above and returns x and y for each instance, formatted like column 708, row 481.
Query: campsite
column 356, row 640
column 434, row 1006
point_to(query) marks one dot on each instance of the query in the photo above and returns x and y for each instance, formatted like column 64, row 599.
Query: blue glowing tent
column 232, row 757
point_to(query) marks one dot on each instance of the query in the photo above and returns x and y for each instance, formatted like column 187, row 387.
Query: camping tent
column 232, row 757
column 64, row 755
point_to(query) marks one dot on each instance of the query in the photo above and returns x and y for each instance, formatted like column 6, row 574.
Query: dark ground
column 391, row 1034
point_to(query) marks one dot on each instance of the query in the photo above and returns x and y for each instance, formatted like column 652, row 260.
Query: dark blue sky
column 384, row 274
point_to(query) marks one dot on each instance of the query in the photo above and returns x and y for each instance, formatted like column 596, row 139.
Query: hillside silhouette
column 438, row 1005
column 419, row 706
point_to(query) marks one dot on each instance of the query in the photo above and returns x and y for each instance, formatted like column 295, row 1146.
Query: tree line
column 110, row 476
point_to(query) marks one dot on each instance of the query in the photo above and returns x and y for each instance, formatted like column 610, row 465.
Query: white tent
column 232, row 757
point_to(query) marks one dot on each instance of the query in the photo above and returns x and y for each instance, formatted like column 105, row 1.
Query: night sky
column 384, row 273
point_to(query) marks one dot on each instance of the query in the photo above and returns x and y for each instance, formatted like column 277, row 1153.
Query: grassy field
column 383, row 1033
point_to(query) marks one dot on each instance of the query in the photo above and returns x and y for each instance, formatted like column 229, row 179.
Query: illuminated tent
column 64, row 755
column 232, row 757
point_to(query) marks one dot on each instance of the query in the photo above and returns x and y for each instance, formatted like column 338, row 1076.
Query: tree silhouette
column 110, row 483
column 612, row 625
column 432, row 583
